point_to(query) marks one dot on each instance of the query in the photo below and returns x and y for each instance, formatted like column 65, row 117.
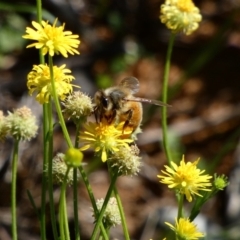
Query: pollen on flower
column 186, row 178
column 22, row 124
column 184, row 229
column 52, row 39
column 39, row 80
column 104, row 138
column 180, row 16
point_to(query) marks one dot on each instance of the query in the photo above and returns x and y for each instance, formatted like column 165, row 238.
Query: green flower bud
column 220, row 182
column 73, row 157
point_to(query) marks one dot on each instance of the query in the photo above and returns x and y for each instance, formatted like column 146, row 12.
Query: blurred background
column 122, row 38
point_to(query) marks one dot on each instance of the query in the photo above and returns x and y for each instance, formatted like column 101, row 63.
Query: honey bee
column 118, row 104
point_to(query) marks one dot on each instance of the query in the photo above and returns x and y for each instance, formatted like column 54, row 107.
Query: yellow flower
column 52, row 39
column 39, row 80
column 180, row 15
column 185, row 230
column 186, row 178
column 105, row 138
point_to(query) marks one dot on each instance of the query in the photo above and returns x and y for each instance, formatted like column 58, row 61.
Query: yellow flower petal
column 85, row 147
column 104, row 156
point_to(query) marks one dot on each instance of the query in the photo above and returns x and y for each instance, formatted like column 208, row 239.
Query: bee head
column 102, row 101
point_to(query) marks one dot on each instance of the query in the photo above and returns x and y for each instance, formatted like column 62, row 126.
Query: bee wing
column 145, row 100
column 131, row 83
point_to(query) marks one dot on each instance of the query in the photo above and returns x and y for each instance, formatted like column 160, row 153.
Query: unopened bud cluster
column 78, row 106
column 22, row 124
column 59, row 169
column 126, row 161
column 111, row 216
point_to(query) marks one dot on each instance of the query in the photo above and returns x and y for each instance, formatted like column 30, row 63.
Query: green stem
column 123, row 219
column 75, row 189
column 180, row 206
column 57, row 105
column 75, row 204
column 39, row 19
column 165, row 97
column 93, row 201
column 78, row 127
column 44, row 171
column 45, row 145
column 50, row 181
column 65, row 216
column 39, row 12
column 63, row 220
column 64, row 129
column 14, row 190
column 104, row 206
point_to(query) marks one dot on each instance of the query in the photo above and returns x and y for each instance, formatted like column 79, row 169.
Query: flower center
column 185, row 5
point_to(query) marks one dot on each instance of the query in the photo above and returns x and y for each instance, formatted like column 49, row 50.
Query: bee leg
column 111, row 117
column 95, row 114
column 129, row 117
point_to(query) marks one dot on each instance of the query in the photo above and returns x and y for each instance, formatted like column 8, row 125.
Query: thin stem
column 78, row 126
column 45, row 144
column 63, row 220
column 57, row 105
column 14, row 190
column 64, row 129
column 50, row 181
column 180, row 206
column 123, row 219
column 44, row 171
column 93, row 201
column 65, row 132
column 165, row 97
column 75, row 204
column 75, row 189
column 104, row 206
column 39, row 19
